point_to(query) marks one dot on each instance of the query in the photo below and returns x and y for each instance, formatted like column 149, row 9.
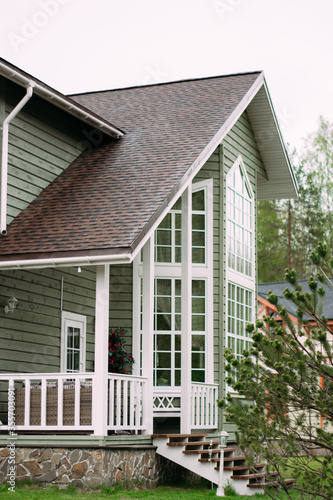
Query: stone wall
column 87, row 466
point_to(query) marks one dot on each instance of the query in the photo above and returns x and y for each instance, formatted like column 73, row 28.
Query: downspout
column 4, row 157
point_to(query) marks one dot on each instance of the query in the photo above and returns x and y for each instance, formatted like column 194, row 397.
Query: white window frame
column 174, row 270
column 78, row 321
column 232, row 276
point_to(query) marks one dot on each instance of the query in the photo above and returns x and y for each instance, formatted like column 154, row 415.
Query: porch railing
column 63, row 402
column 204, row 413
column 125, row 403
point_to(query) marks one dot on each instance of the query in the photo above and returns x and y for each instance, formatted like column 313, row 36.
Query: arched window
column 240, row 220
column 240, row 258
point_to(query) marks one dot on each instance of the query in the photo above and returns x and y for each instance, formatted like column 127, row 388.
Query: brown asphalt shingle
column 104, row 199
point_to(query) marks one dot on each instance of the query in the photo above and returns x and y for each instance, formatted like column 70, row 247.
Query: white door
column 73, row 343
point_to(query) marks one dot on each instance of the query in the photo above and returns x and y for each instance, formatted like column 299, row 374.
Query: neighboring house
column 131, row 208
column 265, row 308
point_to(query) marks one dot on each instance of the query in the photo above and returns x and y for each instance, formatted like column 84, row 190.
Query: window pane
column 163, row 342
column 166, row 222
column 163, row 377
column 198, row 238
column 198, row 288
column 163, row 322
column 198, row 342
column 198, row 222
column 163, row 287
column 70, row 337
column 198, row 360
column 178, row 221
column 178, row 360
column 198, row 255
column 177, row 205
column 163, row 237
column 198, row 200
column 198, row 376
column 198, row 305
column 198, row 323
column 178, row 287
column 163, row 254
column 164, row 360
column 178, row 342
column 76, row 338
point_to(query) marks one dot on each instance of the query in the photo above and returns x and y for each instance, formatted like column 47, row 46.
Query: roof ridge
column 167, row 83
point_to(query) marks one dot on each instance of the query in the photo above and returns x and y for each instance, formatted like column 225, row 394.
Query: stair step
column 250, row 476
column 271, row 484
column 244, row 467
column 193, row 443
column 178, row 436
column 234, row 459
column 208, row 459
column 200, row 452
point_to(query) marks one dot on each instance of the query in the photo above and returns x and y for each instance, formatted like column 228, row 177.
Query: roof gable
column 111, row 199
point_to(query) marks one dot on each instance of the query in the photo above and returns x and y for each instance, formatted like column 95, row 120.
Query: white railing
column 63, row 402
column 50, row 401
column 204, row 406
column 126, row 394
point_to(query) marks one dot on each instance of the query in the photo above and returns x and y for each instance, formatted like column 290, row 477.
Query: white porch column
column 186, row 302
column 100, row 388
column 148, row 333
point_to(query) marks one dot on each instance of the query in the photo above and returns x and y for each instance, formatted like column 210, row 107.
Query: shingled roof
column 280, row 286
column 105, row 199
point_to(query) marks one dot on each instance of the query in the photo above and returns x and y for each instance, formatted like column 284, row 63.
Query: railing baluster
column 77, row 396
column 43, row 403
column 132, row 408
column 27, row 389
column 118, row 421
column 60, row 394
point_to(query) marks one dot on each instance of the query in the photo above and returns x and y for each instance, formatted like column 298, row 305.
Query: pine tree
column 286, row 386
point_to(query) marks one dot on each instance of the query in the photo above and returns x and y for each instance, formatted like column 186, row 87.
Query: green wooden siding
column 121, row 301
column 43, row 141
column 30, row 337
column 239, row 141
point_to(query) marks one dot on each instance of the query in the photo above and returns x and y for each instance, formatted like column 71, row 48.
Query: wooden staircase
column 202, row 456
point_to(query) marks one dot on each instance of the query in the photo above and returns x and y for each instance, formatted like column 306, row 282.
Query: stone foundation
column 87, row 467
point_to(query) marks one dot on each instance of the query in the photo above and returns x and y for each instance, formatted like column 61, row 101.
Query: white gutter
column 4, row 157
column 62, row 102
column 124, row 258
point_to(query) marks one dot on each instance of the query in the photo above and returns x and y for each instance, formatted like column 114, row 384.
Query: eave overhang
column 280, row 182
column 60, row 101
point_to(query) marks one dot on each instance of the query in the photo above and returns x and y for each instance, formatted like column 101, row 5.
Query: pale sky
column 84, row 45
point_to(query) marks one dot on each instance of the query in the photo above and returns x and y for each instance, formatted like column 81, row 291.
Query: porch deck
column 68, row 403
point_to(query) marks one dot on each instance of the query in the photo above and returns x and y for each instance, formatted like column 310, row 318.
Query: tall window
column 167, row 290
column 240, row 222
column 239, row 314
column 240, row 258
column 168, row 236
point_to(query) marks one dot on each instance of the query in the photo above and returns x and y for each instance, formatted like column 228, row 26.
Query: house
column 265, row 309
column 131, row 208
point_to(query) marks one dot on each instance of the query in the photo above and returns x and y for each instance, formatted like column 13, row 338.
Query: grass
column 35, row 492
